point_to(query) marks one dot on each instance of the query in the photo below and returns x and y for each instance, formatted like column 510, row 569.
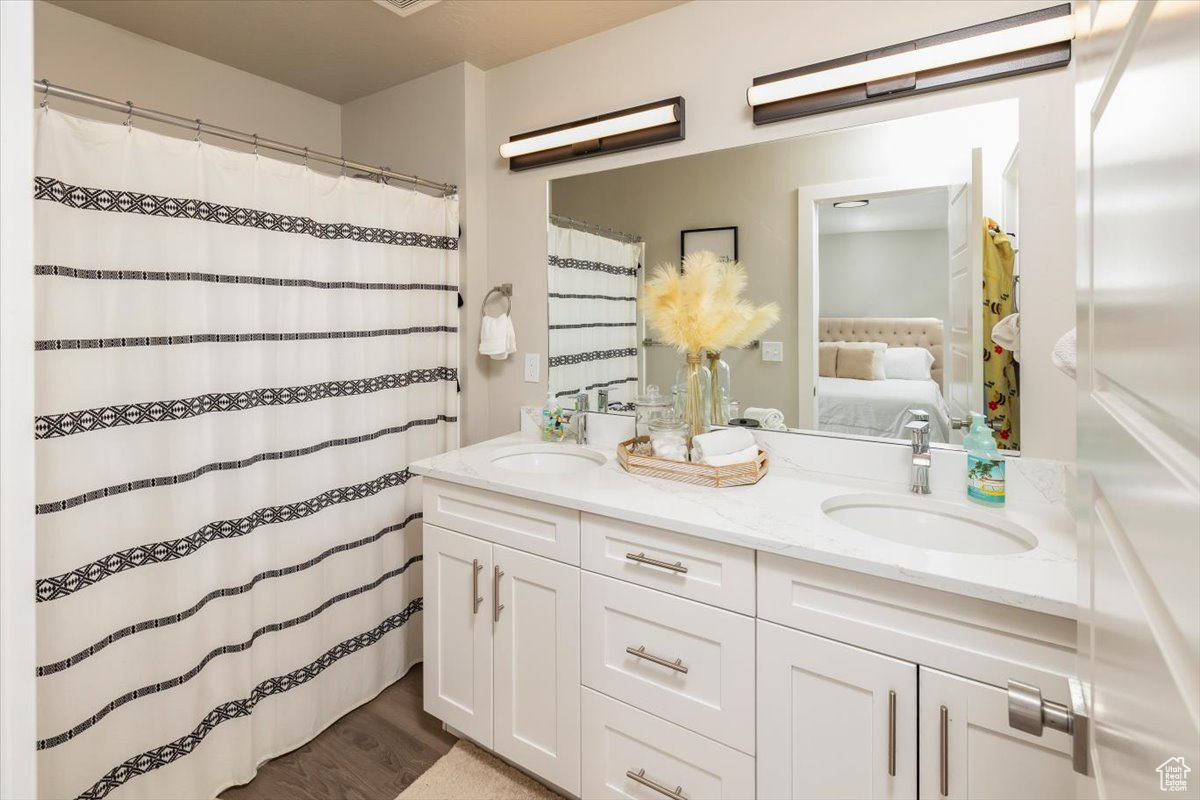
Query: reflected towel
column 769, row 418
column 721, row 443
column 1064, row 354
column 1007, row 334
column 497, row 337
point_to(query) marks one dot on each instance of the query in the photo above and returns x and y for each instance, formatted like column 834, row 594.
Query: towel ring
column 504, row 290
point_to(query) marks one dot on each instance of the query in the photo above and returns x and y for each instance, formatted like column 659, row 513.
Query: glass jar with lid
column 648, row 408
column 669, row 438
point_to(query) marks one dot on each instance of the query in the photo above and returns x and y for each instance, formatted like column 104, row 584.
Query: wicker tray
column 742, row 474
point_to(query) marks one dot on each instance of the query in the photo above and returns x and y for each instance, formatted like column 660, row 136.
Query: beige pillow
column 827, row 359
column 861, row 360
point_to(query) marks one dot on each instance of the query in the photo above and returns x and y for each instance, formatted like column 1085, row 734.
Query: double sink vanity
column 823, row 633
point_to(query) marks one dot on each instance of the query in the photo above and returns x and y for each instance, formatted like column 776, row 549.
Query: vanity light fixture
column 851, row 203
column 640, row 126
column 999, row 49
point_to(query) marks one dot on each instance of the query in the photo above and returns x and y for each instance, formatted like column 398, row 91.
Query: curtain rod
column 567, row 222
column 201, row 127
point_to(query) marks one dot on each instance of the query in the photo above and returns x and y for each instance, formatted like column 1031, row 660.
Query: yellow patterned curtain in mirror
column 1000, row 370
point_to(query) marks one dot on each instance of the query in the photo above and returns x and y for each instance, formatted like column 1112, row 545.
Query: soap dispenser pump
column 985, row 465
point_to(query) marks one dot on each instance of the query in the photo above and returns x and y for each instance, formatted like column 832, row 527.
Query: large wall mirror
column 891, row 248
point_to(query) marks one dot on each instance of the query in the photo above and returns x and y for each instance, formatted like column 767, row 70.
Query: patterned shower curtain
column 1000, row 390
column 237, row 358
column 593, row 315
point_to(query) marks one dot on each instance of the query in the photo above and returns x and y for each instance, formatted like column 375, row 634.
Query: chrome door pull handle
column 642, row 558
column 891, row 733
column 944, row 751
column 640, row 652
column 640, row 777
column 476, row 598
column 1028, row 712
column 497, row 606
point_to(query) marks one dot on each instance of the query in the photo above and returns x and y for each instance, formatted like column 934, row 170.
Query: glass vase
column 692, row 385
column 719, row 390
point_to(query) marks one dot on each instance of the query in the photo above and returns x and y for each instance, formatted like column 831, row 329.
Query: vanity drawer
column 526, row 525
column 711, row 572
column 619, row 740
column 711, row 688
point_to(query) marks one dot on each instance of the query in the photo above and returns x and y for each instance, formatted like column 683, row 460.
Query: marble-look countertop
column 782, row 514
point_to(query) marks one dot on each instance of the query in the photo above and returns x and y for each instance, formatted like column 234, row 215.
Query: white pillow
column 908, row 363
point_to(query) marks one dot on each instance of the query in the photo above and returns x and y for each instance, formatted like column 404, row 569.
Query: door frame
column 808, row 267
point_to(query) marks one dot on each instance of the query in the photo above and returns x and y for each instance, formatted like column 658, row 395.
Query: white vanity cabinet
column 833, row 720
column 502, row 651
column 613, row 659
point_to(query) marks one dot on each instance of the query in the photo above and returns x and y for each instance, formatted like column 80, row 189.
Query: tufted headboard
column 893, row 331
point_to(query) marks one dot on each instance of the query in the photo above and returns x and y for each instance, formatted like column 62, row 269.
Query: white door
column 458, row 631
column 536, row 680
column 1138, row 92
column 834, row 721
column 963, row 371
column 968, row 749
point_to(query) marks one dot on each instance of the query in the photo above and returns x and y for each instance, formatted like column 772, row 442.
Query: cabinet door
column 458, row 631
column 834, row 721
column 968, row 749
column 536, row 680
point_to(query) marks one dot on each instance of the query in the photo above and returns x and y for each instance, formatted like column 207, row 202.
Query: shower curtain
column 593, row 315
column 237, row 359
column 1001, row 393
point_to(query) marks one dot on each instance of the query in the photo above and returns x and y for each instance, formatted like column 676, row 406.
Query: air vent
column 405, row 8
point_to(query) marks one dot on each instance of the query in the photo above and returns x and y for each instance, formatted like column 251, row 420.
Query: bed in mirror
column 890, row 248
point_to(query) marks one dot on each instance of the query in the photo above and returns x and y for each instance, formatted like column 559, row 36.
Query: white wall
column 18, row 773
column 885, row 274
column 422, row 127
column 82, row 53
column 709, row 52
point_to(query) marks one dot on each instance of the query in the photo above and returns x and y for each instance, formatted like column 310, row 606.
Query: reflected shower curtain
column 237, row 359
column 592, row 311
column 1001, row 393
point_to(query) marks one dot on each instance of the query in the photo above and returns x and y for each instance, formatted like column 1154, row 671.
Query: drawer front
column 533, row 527
column 620, row 742
column 688, row 663
column 711, row 572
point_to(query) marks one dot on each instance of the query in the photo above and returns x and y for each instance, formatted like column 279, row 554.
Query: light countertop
column 782, row 514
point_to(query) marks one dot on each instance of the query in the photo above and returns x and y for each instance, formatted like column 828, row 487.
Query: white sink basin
column 930, row 524
column 547, row 459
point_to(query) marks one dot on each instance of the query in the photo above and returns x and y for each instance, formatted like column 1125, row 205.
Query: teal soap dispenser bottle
column 985, row 465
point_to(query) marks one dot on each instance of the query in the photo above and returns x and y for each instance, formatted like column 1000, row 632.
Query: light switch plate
column 533, row 367
column 772, row 351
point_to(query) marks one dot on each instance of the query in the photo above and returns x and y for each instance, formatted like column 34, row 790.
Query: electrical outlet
column 533, row 367
column 772, row 351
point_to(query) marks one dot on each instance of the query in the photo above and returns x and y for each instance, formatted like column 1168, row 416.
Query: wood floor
column 372, row 753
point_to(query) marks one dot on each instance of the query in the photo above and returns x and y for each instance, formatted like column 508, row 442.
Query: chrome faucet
column 921, row 459
column 602, row 400
column 577, row 418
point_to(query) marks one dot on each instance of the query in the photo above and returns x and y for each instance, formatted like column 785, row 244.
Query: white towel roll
column 1064, row 354
column 740, row 457
column 721, row 443
column 769, row 418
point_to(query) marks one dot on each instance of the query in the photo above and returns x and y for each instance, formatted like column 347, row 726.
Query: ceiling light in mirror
column 851, row 203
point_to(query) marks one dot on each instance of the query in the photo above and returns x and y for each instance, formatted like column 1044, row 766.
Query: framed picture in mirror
column 723, row 241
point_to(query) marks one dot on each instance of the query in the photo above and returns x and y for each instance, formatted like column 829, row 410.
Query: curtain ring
column 129, row 115
column 45, row 94
column 198, row 123
column 256, row 144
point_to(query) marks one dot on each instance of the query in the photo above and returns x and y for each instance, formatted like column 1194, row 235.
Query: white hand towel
column 497, row 338
column 721, row 443
column 1007, row 334
column 1063, row 356
column 740, row 457
column 769, row 418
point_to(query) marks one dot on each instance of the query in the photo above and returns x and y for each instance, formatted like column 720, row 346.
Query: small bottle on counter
column 985, row 465
column 552, row 427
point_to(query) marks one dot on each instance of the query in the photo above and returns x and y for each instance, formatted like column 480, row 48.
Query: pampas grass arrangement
column 699, row 307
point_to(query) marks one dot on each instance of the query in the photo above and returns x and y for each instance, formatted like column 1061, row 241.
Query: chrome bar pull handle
column 497, row 606
column 1029, row 713
column 476, row 598
column 891, row 733
column 640, row 652
column 640, row 777
column 944, row 751
column 642, row 558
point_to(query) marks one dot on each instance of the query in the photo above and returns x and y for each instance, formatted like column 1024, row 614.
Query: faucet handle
column 919, row 414
column 581, row 401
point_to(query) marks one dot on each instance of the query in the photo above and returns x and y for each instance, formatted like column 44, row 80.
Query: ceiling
column 344, row 49
column 908, row 211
